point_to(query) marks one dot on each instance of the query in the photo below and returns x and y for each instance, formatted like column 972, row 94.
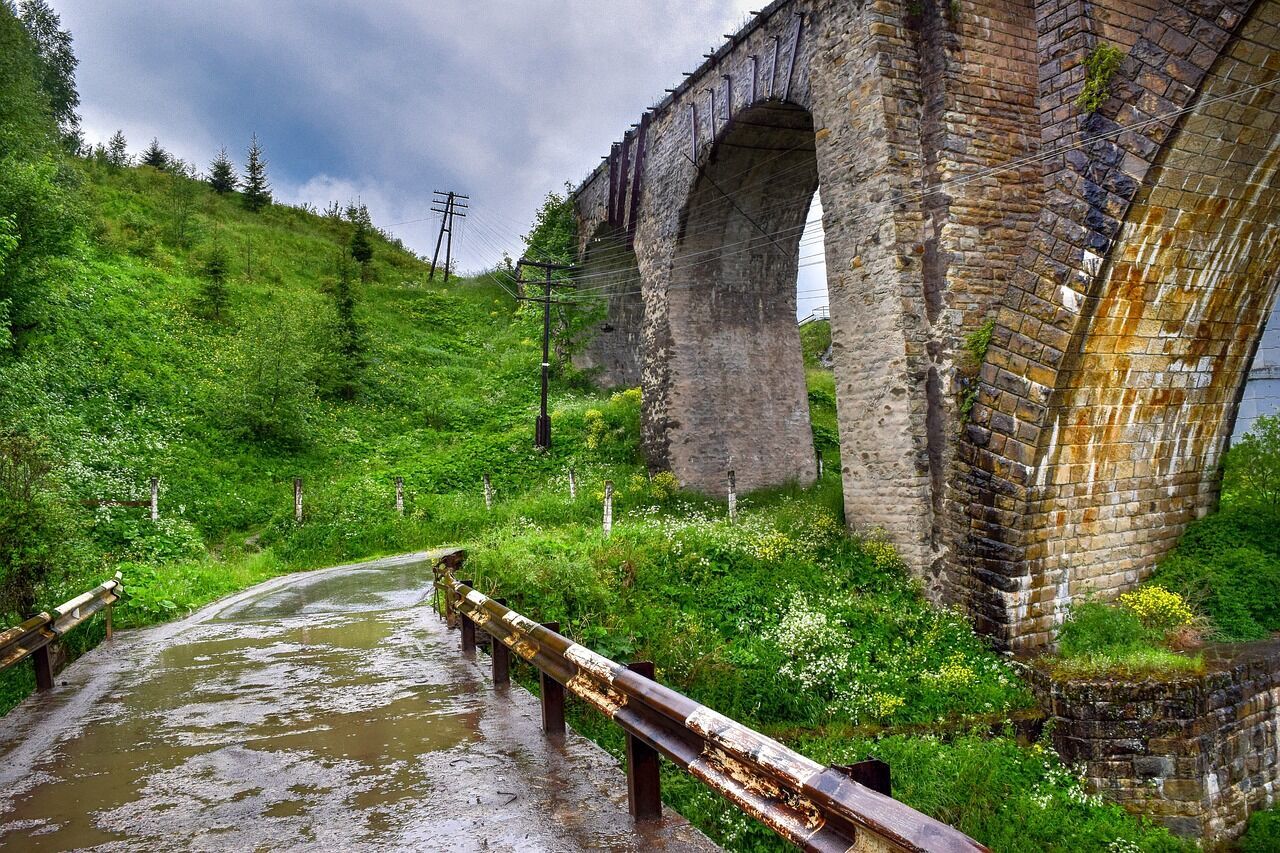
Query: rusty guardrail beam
column 32, row 637
column 817, row 808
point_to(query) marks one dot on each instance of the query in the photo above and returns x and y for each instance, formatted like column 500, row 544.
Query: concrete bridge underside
column 1126, row 259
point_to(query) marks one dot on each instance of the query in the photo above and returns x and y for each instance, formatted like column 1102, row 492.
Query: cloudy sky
column 386, row 100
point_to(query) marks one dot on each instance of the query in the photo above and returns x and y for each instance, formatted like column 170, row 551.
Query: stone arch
column 608, row 272
column 738, row 373
column 1110, row 389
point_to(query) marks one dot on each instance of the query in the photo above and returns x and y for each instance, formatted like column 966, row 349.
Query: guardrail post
column 297, row 499
column 500, row 656
column 871, row 773
column 468, row 627
column 733, row 497
column 644, row 786
column 552, row 696
column 608, row 508
column 44, row 668
column 109, row 621
column 155, row 498
column 400, row 495
column 488, row 493
column 573, row 485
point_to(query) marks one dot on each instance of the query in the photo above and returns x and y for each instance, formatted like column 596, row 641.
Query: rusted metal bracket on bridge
column 817, row 808
column 32, row 637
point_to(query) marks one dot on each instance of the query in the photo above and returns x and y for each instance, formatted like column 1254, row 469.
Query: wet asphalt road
column 320, row 711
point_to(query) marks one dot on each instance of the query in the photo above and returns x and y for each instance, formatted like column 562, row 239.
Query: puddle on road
column 286, row 733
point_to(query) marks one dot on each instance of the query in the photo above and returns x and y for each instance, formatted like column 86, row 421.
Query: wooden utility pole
column 542, row 428
column 448, row 205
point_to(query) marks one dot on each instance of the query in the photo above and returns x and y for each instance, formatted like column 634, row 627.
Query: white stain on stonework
column 1046, row 461
column 1070, row 299
column 1092, row 263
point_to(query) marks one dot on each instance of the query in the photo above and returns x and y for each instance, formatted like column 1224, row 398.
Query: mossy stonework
column 1127, row 255
column 1197, row 754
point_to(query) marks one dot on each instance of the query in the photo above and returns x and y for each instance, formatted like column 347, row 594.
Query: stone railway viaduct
column 1127, row 258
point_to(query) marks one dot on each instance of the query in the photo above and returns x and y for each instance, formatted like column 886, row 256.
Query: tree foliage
column 34, row 524
column 257, row 190
column 348, row 356
column 554, row 236
column 222, row 173
column 57, row 66
column 216, row 269
column 361, row 246
column 117, row 151
column 271, row 394
column 1252, row 467
column 155, row 156
column 37, row 198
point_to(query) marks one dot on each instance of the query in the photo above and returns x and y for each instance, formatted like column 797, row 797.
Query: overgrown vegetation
column 1263, row 834
column 1221, row 583
column 158, row 325
column 976, row 344
column 1100, row 67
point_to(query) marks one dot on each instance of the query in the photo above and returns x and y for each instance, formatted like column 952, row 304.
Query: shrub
column 1101, row 66
column 1158, row 608
column 1238, row 589
column 1263, row 834
column 35, row 525
column 1094, row 627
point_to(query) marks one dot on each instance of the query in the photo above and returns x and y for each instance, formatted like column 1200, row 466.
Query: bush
column 1263, row 834
column 1094, row 627
column 1238, row 589
column 1100, row 638
column 35, row 525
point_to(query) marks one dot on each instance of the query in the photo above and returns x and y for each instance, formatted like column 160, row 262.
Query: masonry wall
column 1127, row 258
column 1108, row 394
column 1198, row 755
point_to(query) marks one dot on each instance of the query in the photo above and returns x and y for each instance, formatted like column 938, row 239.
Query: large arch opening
column 609, row 278
column 738, row 377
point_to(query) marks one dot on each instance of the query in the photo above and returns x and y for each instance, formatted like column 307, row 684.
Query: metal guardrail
column 817, row 808
column 32, row 637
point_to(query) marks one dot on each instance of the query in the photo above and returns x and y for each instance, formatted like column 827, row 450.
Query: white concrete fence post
column 297, row 499
column 399, row 495
column 608, row 508
column 733, row 498
column 573, row 486
column 819, row 464
column 155, row 498
column 488, row 493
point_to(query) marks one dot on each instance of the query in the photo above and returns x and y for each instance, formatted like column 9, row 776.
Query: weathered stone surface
column 1197, row 754
column 1127, row 259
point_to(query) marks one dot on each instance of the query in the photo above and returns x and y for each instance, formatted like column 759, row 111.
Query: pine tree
column 349, row 337
column 155, row 156
column 361, row 247
column 118, row 151
column 257, row 192
column 213, row 290
column 222, row 173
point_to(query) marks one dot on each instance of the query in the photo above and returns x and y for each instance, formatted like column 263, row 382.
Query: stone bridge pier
column 1123, row 261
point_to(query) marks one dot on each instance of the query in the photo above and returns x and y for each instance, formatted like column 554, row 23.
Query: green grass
column 779, row 620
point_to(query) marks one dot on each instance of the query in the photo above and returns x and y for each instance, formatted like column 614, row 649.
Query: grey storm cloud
column 389, row 100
